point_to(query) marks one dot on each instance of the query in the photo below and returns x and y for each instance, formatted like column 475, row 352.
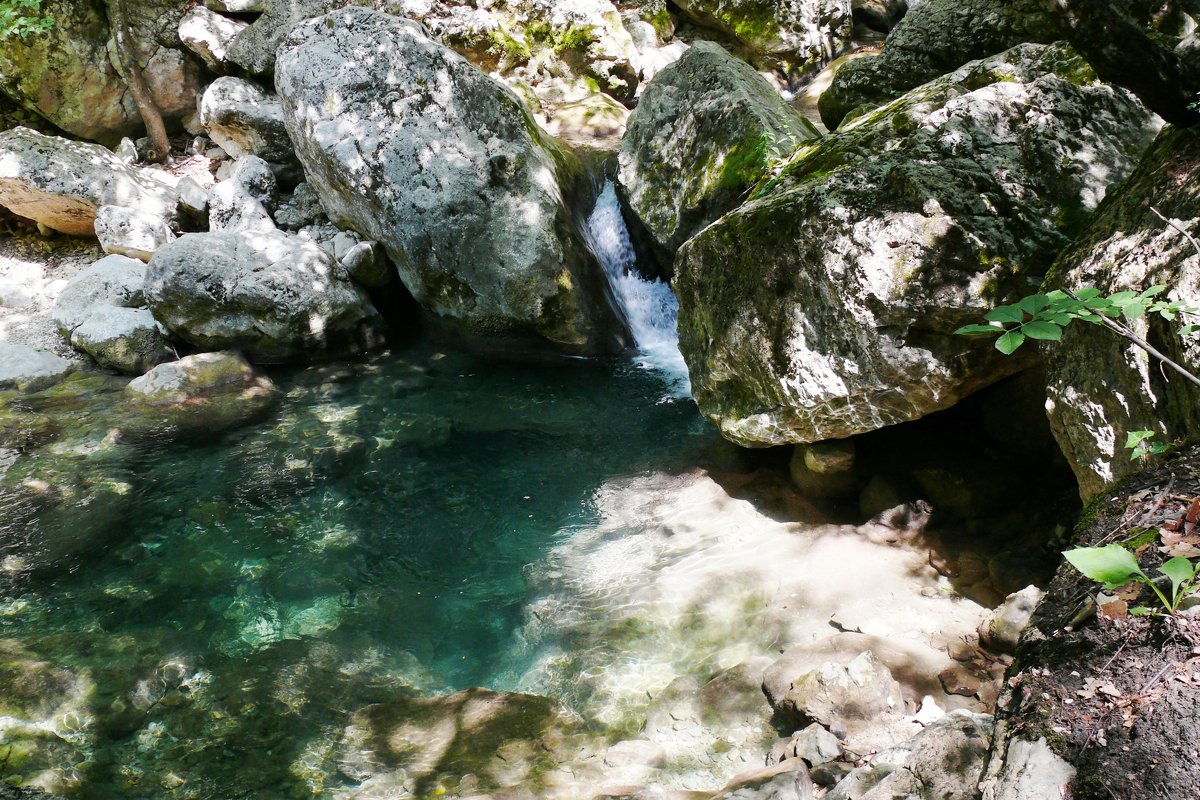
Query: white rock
column 244, row 119
column 208, row 34
column 114, row 280
column 27, row 369
column 129, row 232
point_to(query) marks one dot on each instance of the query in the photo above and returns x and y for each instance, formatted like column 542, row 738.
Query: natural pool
column 372, row 535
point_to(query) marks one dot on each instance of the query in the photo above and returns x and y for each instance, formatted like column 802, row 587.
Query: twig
column 1176, row 226
column 1126, row 333
column 1155, row 679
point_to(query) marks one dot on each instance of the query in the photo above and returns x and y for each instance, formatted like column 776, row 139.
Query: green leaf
column 1033, row 303
column 1122, row 298
column 1187, row 330
column 1046, row 331
column 1135, row 310
column 1180, row 571
column 979, row 330
column 1009, row 342
column 1157, row 288
column 1111, row 565
column 1087, row 293
column 1139, row 611
column 1134, row 438
column 1005, row 314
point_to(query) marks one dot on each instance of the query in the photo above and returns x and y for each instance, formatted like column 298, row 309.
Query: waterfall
column 649, row 307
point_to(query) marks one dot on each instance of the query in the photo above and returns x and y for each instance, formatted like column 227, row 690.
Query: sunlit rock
column 129, row 232
column 125, row 339
column 705, row 131
column 208, row 35
column 243, row 201
column 826, row 306
column 410, row 145
column 28, row 369
column 62, row 184
column 800, row 34
column 270, row 295
column 934, row 38
column 1100, row 387
column 244, row 120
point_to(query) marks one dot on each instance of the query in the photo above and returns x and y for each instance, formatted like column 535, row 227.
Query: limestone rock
column 62, row 184
column 943, row 761
column 243, row 201
column 114, row 280
column 203, row 393
column 815, row 745
column 825, row 469
column 1031, row 771
column 852, row 697
column 1098, row 386
column 936, row 37
column 802, row 34
column 240, row 6
column 450, row 175
column 125, row 339
column 244, row 119
column 208, row 35
column 1001, row 630
column 826, row 306
column 27, row 369
column 129, row 232
column 255, row 48
column 272, row 296
column 786, row 781
column 303, row 208
column 705, row 131
column 367, row 264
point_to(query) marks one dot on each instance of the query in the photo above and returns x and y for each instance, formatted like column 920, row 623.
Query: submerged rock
column 826, row 306
column 203, row 393
column 934, row 38
column 705, row 131
column 273, row 296
column 1100, row 387
column 802, row 34
column 449, row 172
column 62, row 184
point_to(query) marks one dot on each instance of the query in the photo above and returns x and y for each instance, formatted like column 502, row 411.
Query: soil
column 1119, row 696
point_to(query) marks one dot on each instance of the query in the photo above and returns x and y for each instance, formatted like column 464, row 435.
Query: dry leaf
column 1117, row 609
column 1129, row 591
column 1109, row 690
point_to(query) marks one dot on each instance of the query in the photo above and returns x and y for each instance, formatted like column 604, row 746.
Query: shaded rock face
column 272, row 296
column 802, row 34
column 62, row 184
column 1098, row 386
column 826, row 306
column 125, row 339
column 933, row 39
column 244, row 120
column 66, row 74
column 410, row 145
column 204, row 393
column 704, row 133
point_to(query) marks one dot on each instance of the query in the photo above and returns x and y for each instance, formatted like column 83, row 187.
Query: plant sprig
column 1113, row 566
column 23, row 18
column 1043, row 316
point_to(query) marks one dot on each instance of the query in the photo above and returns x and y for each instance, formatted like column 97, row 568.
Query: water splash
column 650, row 308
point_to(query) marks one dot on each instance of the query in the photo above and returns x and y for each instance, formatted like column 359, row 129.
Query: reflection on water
column 370, row 539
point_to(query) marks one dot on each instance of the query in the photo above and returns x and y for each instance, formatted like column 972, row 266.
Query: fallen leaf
column 1109, row 690
column 1117, row 609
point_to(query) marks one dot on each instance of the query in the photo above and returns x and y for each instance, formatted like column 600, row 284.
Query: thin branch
column 1126, row 333
column 1176, row 226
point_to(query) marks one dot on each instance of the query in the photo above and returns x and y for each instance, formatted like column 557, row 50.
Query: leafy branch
column 1113, row 566
column 23, row 18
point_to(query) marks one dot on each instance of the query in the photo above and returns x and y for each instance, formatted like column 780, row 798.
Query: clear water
column 369, row 538
column 649, row 306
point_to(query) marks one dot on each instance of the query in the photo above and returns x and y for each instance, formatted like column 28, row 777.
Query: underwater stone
column 203, row 393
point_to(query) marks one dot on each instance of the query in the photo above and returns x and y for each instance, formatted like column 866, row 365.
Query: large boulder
column 125, row 339
column 62, row 184
column 209, row 34
column 934, row 38
column 270, row 295
column 449, row 173
column 114, row 280
column 801, row 34
column 826, row 306
column 706, row 130
column 1100, row 387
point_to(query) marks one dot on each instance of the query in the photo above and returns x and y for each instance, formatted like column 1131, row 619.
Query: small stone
column 193, row 198
column 1001, row 630
column 959, row 680
column 929, row 712
column 814, row 744
column 129, row 232
column 368, row 265
column 830, row 773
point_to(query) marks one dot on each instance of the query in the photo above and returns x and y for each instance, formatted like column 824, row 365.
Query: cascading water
column 649, row 307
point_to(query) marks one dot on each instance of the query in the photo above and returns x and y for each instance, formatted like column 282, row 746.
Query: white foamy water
column 649, row 307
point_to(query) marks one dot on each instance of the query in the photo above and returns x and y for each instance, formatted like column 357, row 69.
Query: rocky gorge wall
column 332, row 157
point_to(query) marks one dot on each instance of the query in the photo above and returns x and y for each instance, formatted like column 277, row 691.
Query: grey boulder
column 28, row 369
column 125, row 339
column 826, row 306
column 130, row 232
column 243, row 119
column 412, row 146
column 705, row 131
column 270, row 295
column 208, row 35
column 114, row 280
column 204, row 393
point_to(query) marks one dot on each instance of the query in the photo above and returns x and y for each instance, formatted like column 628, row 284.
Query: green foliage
column 23, row 18
column 1141, row 444
column 1113, row 566
column 1043, row 316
